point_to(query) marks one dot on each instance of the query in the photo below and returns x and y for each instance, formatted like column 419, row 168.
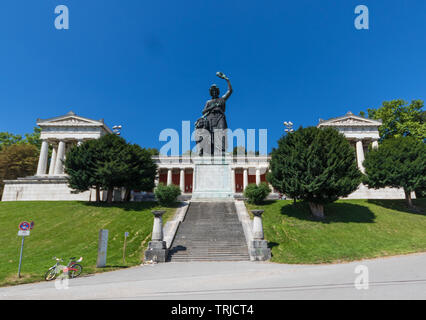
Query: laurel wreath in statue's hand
column 221, row 75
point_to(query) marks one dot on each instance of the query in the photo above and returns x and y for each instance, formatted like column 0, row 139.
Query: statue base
column 212, row 178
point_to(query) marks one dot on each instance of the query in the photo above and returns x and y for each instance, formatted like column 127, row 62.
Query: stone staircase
column 211, row 231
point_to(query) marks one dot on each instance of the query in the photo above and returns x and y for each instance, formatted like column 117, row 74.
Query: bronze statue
column 214, row 113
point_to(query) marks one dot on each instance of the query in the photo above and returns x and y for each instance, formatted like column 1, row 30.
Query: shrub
column 167, row 195
column 257, row 193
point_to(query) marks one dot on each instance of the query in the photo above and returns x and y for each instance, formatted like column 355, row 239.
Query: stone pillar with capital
column 360, row 155
column 42, row 161
column 182, row 180
column 169, row 176
column 245, row 178
column 259, row 250
column 157, row 248
column 53, row 160
column 233, row 180
column 257, row 176
column 375, row 144
column 59, row 165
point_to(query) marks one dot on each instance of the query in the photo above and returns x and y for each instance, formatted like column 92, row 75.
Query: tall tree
column 108, row 163
column 400, row 119
column 140, row 170
column 398, row 162
column 8, row 139
column 316, row 165
column 81, row 165
column 18, row 160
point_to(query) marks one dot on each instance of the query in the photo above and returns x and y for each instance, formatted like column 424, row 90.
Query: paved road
column 402, row 277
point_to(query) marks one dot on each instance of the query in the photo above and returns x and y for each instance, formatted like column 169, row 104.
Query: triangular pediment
column 350, row 120
column 69, row 119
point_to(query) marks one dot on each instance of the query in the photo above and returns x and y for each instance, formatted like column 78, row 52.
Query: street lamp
column 117, row 129
column 288, row 126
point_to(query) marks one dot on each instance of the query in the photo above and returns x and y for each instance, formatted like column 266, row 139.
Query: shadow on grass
column 400, row 205
column 334, row 212
column 130, row 206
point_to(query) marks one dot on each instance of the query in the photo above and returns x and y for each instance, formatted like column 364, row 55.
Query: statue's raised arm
column 229, row 92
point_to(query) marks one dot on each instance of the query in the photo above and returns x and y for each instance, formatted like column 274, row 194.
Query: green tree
column 140, row 170
column 316, row 165
column 399, row 163
column 81, row 165
column 8, row 139
column 400, row 119
column 108, row 163
column 17, row 160
column 34, row 138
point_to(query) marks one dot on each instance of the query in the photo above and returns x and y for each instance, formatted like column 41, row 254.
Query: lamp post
column 117, row 129
column 288, row 126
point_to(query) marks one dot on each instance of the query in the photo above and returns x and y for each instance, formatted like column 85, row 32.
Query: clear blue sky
column 149, row 64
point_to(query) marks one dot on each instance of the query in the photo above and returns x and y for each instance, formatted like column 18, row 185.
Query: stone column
column 157, row 230
column 233, row 180
column 182, row 180
column 42, row 161
column 169, row 177
column 375, row 144
column 257, row 176
column 193, row 179
column 360, row 155
column 53, row 161
column 245, row 178
column 257, row 225
column 259, row 246
column 59, row 166
column 157, row 250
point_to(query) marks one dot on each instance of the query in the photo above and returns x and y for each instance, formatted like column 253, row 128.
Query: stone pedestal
column 259, row 250
column 212, row 178
column 157, row 248
column 157, row 251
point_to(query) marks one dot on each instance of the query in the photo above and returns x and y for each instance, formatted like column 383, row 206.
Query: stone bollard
column 259, row 250
column 157, row 249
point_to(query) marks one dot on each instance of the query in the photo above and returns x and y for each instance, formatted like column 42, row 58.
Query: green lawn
column 352, row 230
column 66, row 229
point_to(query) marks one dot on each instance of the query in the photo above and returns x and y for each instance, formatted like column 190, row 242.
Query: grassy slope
column 66, row 229
column 352, row 230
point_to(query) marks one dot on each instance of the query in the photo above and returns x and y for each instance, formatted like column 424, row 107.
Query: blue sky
column 148, row 65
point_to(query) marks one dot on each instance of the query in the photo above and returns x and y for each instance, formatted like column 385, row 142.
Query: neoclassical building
column 198, row 178
column 49, row 182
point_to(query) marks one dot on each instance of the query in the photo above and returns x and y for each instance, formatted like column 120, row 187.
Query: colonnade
column 360, row 156
column 56, row 166
column 183, row 183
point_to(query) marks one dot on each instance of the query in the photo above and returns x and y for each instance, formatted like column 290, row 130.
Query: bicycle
column 73, row 268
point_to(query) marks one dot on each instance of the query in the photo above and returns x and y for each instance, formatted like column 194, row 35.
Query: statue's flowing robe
column 214, row 112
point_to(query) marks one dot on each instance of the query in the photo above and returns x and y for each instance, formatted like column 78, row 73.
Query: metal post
column 20, row 257
column 124, row 248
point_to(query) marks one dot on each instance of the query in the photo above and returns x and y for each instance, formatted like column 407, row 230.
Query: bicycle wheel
column 75, row 270
column 50, row 274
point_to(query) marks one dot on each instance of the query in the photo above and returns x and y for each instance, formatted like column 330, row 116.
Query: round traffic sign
column 24, row 226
